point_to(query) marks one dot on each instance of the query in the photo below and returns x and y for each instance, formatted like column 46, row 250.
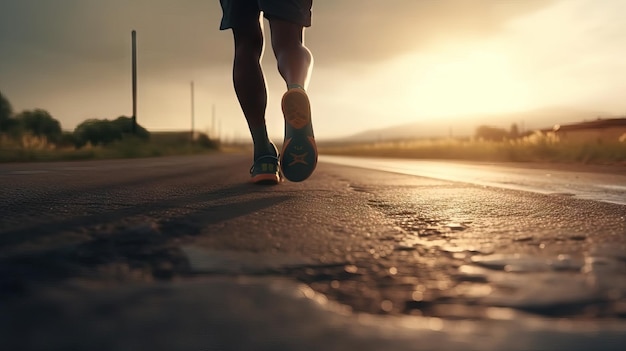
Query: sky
column 377, row 63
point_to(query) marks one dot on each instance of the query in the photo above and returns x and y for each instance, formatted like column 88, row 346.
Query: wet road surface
column 600, row 183
column 181, row 253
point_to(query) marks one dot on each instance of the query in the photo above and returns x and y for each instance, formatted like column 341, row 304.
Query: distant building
column 613, row 129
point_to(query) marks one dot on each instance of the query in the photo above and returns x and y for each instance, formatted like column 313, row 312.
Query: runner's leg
column 249, row 83
column 299, row 151
column 293, row 58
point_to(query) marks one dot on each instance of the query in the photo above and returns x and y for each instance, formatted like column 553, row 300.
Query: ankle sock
column 294, row 86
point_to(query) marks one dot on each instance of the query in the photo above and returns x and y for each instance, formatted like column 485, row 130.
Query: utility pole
column 193, row 111
column 213, row 126
column 134, row 78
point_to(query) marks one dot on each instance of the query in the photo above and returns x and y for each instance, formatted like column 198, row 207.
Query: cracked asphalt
column 183, row 254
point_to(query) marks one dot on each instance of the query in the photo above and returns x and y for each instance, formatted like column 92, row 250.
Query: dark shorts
column 237, row 12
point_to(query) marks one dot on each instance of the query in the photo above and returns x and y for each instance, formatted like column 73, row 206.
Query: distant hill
column 466, row 125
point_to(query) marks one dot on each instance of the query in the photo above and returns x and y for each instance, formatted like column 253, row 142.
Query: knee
column 249, row 44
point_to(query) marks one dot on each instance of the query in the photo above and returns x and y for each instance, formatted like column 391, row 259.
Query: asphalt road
column 183, row 254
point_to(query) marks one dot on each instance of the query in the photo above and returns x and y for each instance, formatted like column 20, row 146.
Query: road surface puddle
column 204, row 261
column 560, row 286
column 525, row 263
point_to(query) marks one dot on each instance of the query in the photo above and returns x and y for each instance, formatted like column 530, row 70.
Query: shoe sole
column 298, row 157
column 266, row 179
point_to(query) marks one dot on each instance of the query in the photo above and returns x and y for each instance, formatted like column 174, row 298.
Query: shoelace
column 274, row 158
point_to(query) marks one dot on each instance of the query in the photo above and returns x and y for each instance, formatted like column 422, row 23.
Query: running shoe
column 265, row 170
column 299, row 153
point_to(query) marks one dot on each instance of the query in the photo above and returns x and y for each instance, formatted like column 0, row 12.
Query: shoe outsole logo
column 298, row 159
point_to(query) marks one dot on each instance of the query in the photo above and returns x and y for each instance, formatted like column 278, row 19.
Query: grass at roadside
column 127, row 148
column 535, row 149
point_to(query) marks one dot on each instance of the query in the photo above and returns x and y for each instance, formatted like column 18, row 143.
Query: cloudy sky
column 377, row 63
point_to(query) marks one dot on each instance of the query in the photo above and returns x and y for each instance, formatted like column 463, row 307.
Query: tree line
column 490, row 133
column 40, row 123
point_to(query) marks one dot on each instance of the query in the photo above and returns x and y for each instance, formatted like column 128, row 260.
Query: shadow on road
column 113, row 246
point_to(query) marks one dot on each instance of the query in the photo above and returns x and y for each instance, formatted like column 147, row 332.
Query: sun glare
column 478, row 82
